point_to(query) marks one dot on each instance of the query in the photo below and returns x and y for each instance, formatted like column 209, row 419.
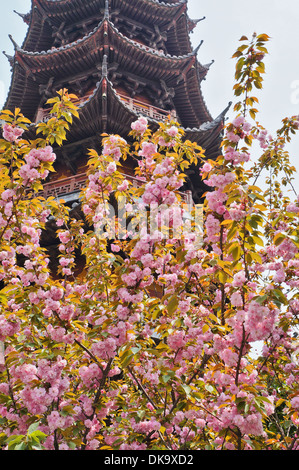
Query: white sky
column 226, row 21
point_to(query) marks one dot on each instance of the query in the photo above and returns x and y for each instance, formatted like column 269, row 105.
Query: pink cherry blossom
column 11, row 133
column 140, row 125
column 239, row 279
column 172, row 131
column 111, row 168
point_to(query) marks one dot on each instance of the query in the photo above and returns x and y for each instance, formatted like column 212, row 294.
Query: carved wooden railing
column 139, row 107
column 43, row 114
column 64, row 186
column 146, row 109
column 74, row 184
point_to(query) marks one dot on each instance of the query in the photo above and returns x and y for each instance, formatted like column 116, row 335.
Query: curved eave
column 189, row 100
column 95, row 38
column 104, row 111
column 178, row 36
column 23, row 92
column 39, row 32
column 165, row 15
column 208, row 137
column 58, row 6
column 209, row 134
column 183, row 73
column 87, row 52
column 152, row 10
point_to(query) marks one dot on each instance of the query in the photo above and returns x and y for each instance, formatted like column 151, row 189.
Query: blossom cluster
column 29, row 171
column 12, row 133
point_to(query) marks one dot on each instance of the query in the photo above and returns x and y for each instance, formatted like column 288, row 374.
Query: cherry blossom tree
column 151, row 345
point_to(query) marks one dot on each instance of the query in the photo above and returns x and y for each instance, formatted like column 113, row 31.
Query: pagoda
column 123, row 59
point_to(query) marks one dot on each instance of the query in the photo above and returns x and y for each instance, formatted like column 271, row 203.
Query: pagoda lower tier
column 107, row 111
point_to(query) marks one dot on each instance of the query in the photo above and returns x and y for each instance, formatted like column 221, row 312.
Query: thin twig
column 142, row 388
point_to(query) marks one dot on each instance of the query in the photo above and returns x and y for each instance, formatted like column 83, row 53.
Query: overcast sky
column 226, row 21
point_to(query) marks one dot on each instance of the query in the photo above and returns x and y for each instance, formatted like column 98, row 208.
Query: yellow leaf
column 280, row 401
column 263, row 37
column 222, row 277
column 213, row 317
column 256, row 257
column 278, row 239
column 6, row 111
column 172, row 304
column 258, row 240
column 227, row 222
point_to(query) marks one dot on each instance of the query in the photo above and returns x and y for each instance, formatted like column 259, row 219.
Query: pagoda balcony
column 43, row 114
column 69, row 188
column 139, row 107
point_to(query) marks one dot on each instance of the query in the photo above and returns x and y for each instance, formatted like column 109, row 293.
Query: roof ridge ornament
column 207, row 66
column 198, row 47
column 192, row 23
column 105, row 66
column 106, row 11
column 24, row 16
column 224, row 112
column 16, row 46
column 219, row 119
column 9, row 58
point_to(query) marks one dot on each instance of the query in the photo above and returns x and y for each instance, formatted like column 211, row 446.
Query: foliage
column 150, row 345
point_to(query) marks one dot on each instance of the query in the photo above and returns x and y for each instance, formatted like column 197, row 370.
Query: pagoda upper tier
column 159, row 24
column 130, row 64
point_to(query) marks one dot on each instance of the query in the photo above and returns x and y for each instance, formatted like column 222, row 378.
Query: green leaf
column 13, row 441
column 280, row 296
column 21, row 446
column 15, row 438
column 39, row 435
column 261, row 299
column 166, row 378
column 127, row 358
column 32, row 428
column 209, row 388
column 278, row 239
column 187, row 389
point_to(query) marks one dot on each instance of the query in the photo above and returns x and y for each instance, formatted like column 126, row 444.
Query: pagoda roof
column 183, row 73
column 95, row 35
column 66, row 10
column 170, row 17
column 105, row 111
